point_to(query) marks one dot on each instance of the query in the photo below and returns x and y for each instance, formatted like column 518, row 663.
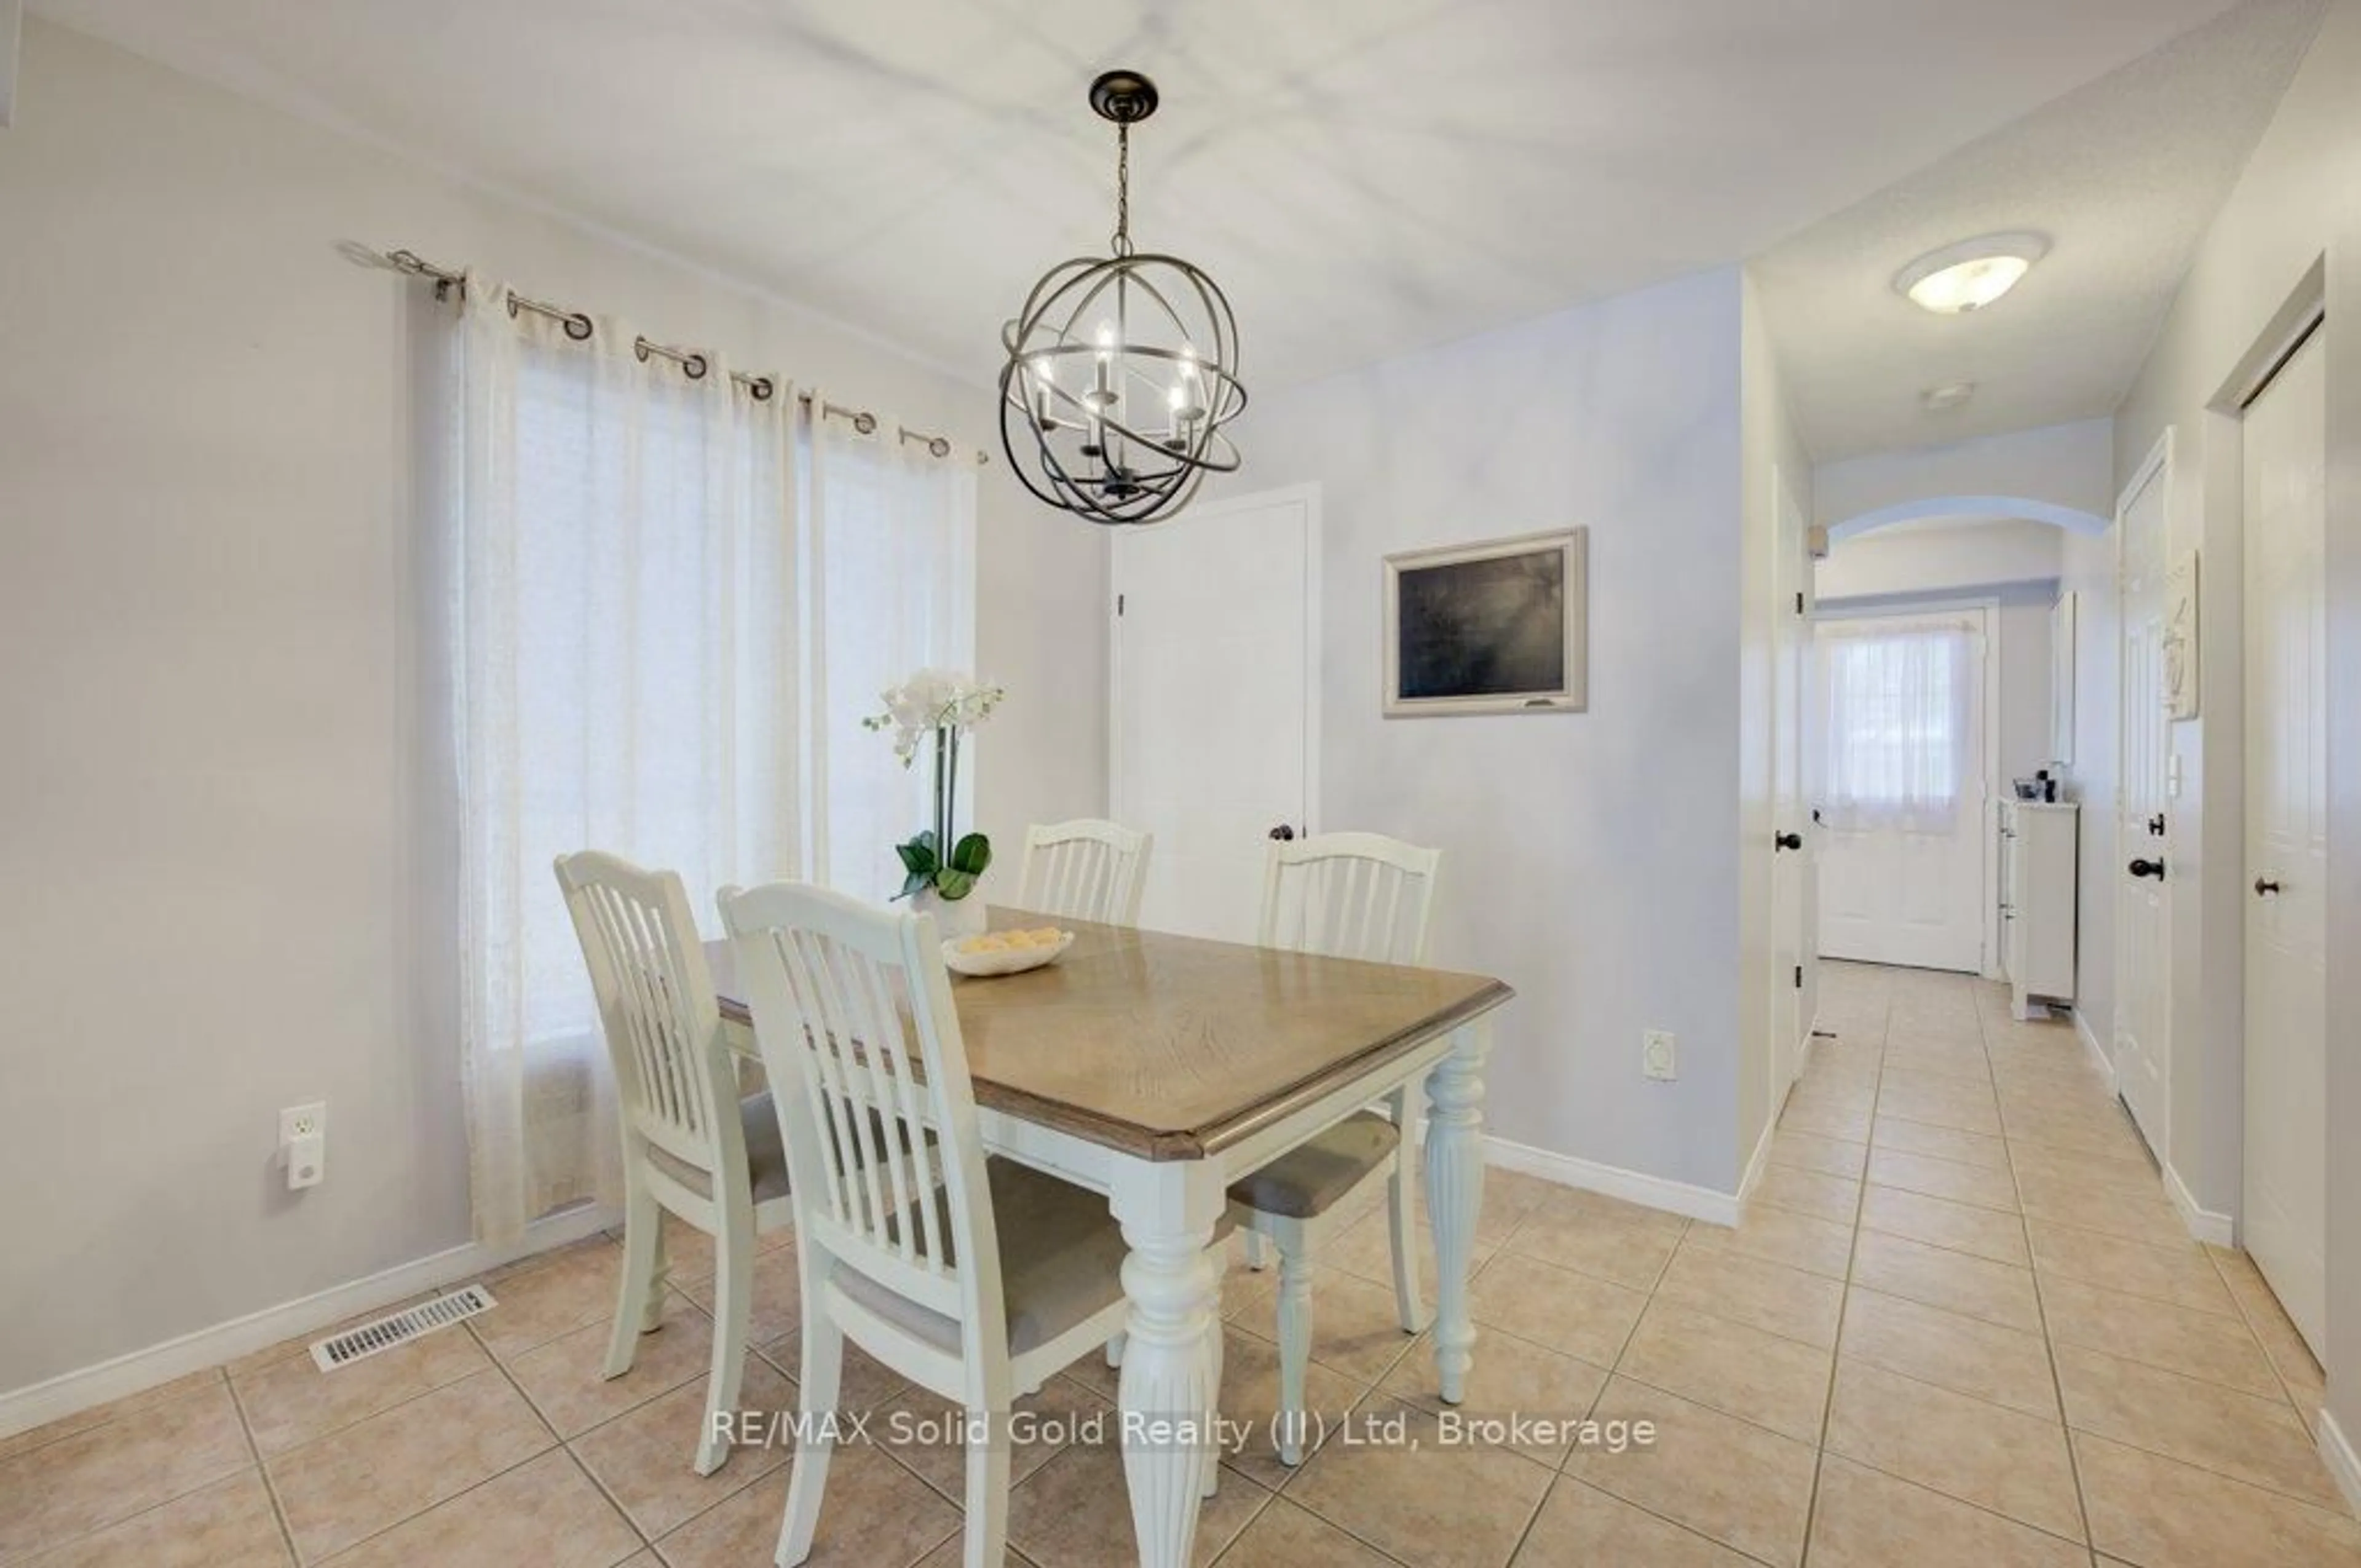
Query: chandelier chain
column 1122, row 243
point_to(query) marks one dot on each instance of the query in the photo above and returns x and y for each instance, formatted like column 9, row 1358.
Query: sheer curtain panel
column 1894, row 699
column 891, row 588
column 625, row 570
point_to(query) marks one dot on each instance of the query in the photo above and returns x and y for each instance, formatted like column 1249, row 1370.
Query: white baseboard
column 1758, row 1163
column 1637, row 1187
column 2203, row 1223
column 2343, row 1463
column 70, row 1393
column 2098, row 1053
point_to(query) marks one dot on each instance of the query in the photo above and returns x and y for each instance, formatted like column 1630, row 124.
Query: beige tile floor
column 1959, row 1326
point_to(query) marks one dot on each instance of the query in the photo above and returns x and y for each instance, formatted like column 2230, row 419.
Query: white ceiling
column 2123, row 175
column 1363, row 178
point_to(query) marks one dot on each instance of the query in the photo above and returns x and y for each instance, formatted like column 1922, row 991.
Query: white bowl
column 1005, row 960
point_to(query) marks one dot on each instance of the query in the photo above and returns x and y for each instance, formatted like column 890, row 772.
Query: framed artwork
column 2180, row 637
column 1499, row 627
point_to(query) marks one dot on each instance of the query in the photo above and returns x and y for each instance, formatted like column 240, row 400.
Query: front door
column 2143, row 849
column 2286, row 1220
column 1901, row 726
column 1215, row 664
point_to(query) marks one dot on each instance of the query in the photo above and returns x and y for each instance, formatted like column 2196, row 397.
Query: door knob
column 2265, row 886
column 1788, row 841
column 1282, row 833
column 2149, row 868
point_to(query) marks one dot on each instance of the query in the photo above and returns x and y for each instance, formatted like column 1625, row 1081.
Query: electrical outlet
column 303, row 1122
column 303, row 1144
column 1658, row 1056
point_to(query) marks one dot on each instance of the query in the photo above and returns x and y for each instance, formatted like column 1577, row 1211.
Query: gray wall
column 1590, row 859
column 206, row 680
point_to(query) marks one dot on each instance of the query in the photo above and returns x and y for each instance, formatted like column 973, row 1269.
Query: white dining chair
column 977, row 1278
column 691, row 1145
column 1349, row 895
column 1085, row 870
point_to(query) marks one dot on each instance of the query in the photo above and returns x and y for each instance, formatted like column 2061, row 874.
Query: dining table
column 1158, row 1068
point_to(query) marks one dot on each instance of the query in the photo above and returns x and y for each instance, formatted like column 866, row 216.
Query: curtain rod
column 578, row 327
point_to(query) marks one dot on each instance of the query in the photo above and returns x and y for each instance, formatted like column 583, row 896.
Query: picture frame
column 1497, row 627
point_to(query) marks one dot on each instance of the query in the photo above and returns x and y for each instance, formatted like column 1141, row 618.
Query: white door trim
column 1986, row 608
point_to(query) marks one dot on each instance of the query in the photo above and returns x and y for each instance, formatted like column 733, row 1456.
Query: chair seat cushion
column 766, row 1153
column 1312, row 1177
column 1060, row 1261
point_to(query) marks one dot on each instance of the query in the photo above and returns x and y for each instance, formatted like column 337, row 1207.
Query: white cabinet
column 2037, row 861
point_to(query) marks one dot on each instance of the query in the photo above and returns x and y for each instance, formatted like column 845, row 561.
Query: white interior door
column 1791, row 860
column 1909, row 893
column 1215, row 682
column 2285, row 1211
column 2144, row 896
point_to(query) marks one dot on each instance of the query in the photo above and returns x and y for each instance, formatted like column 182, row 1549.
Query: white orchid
column 930, row 701
column 942, row 705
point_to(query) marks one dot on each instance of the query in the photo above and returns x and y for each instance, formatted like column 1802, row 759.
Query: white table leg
column 1455, row 1195
column 1167, row 1403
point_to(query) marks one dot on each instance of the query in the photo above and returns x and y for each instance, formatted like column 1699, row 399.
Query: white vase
column 954, row 917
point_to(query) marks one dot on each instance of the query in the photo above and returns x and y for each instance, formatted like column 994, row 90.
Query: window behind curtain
column 1895, row 698
column 891, row 539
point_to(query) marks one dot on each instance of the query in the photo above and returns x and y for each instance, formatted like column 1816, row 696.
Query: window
column 1894, row 697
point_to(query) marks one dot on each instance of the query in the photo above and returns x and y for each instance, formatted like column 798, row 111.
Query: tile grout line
column 2247, row 1320
column 557, row 1444
column 2049, row 1353
column 270, row 1487
column 1844, row 1305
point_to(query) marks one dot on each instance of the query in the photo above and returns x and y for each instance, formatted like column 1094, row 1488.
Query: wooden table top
column 1173, row 1048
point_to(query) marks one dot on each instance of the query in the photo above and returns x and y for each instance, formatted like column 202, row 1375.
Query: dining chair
column 1349, row 895
column 1085, row 870
column 692, row 1146
column 975, row 1277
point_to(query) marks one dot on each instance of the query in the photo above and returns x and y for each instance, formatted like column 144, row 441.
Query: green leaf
column 913, row 882
column 918, row 856
column 954, row 884
column 972, row 854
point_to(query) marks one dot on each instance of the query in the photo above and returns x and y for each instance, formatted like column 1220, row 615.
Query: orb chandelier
column 1122, row 371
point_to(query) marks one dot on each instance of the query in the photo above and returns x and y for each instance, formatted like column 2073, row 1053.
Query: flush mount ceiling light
column 1941, row 399
column 1972, row 274
column 1122, row 370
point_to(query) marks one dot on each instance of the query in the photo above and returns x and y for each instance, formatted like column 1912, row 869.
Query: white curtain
column 1895, row 703
column 625, row 573
column 890, row 591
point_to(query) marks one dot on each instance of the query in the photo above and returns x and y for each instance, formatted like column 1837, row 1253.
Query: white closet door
column 2287, row 841
column 2143, row 902
column 1214, row 715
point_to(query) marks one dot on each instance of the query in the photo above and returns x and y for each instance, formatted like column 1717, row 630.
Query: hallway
column 2026, row 1325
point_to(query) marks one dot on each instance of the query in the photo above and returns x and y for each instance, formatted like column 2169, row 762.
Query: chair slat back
column 672, row 1073
column 853, row 1016
column 1085, row 870
column 1350, row 895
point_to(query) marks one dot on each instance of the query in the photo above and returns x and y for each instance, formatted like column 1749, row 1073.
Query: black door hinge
column 1799, row 977
column 1800, row 601
column 1118, row 603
